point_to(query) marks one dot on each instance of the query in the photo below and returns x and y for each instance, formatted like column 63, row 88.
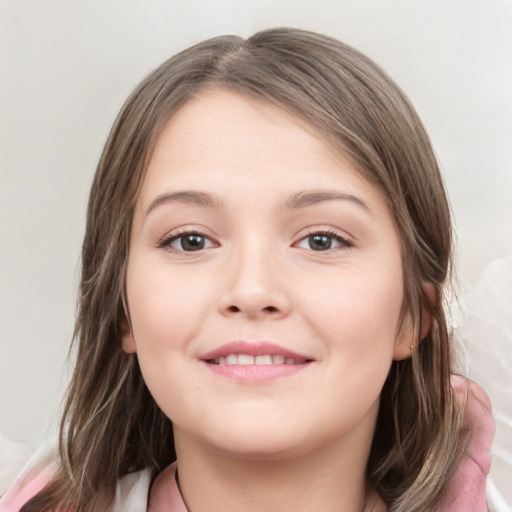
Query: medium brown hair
column 111, row 425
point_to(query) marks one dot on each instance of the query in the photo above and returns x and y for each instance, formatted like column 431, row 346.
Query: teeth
column 263, row 360
column 232, row 359
column 246, row 360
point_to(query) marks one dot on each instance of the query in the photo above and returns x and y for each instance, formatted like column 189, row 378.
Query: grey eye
column 190, row 242
column 320, row 242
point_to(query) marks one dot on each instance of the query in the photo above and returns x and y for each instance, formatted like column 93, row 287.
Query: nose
column 255, row 287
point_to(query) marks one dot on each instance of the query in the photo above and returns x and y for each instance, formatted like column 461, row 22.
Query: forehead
column 216, row 119
column 223, row 140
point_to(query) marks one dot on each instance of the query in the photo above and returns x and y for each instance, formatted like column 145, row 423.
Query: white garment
column 13, row 456
column 131, row 491
column 485, row 356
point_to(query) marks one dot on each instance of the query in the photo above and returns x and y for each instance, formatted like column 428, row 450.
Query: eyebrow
column 298, row 200
column 312, row 197
column 185, row 196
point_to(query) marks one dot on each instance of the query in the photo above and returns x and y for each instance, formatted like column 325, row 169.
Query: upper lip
column 253, row 349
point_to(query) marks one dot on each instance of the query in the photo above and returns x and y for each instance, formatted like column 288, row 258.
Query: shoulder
column 131, row 493
column 13, row 457
column 33, row 478
column 466, row 488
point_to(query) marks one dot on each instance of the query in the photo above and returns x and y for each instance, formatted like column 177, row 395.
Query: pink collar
column 165, row 495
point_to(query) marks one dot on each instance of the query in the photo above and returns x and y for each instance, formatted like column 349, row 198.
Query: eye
column 323, row 241
column 187, row 242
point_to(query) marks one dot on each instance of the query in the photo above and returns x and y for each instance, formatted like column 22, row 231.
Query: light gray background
column 66, row 66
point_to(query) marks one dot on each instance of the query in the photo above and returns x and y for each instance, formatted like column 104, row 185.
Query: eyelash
column 345, row 243
column 167, row 241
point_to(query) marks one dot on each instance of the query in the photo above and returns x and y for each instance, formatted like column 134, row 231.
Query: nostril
column 268, row 309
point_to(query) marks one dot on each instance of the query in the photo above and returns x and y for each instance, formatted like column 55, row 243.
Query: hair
column 111, row 425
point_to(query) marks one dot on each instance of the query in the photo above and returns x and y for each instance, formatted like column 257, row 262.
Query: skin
column 299, row 442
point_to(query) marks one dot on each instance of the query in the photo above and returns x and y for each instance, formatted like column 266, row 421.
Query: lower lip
column 256, row 372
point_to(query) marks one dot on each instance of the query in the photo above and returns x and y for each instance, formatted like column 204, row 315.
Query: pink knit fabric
column 466, row 489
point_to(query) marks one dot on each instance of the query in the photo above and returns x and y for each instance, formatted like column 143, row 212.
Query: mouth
column 248, row 359
column 252, row 362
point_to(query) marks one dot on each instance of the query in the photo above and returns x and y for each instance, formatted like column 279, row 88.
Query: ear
column 406, row 342
column 128, row 341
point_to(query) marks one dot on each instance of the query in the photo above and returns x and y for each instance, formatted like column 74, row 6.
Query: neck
column 331, row 479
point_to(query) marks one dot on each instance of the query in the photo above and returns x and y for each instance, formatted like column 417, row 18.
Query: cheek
column 357, row 323
column 356, row 317
column 167, row 311
column 164, row 307
column 163, row 320
column 358, row 306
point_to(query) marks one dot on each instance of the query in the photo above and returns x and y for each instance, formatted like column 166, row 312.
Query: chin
column 263, row 442
column 262, row 451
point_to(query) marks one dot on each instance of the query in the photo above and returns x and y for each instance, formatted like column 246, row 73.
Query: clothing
column 466, row 489
column 165, row 495
column 482, row 344
column 131, row 491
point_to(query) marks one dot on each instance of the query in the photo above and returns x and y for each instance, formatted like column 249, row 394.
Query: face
column 264, row 283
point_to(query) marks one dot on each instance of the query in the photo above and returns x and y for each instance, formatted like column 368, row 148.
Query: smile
column 254, row 362
column 247, row 359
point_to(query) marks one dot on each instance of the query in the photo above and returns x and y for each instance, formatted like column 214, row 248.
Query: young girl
column 261, row 321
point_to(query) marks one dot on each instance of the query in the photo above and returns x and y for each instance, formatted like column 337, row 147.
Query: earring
column 411, row 346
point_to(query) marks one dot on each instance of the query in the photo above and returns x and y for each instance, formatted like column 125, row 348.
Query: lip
column 253, row 374
column 253, row 349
